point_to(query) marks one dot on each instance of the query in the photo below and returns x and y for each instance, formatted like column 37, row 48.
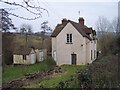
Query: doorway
column 73, row 59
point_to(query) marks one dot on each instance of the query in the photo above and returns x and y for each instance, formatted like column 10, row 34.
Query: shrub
column 50, row 61
column 84, row 79
column 118, row 43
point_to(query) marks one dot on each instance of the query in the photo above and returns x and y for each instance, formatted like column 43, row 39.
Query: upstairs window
column 69, row 38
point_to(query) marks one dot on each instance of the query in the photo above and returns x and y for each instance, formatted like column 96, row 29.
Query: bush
column 107, row 44
column 118, row 43
column 50, row 61
column 84, row 79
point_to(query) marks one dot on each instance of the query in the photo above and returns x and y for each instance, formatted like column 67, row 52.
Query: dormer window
column 69, row 38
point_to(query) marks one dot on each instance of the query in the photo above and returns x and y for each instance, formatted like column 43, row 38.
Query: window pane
column 70, row 37
column 24, row 57
column 67, row 38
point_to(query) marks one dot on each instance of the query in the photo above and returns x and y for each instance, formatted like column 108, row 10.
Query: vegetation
column 66, row 79
column 103, row 73
column 6, row 23
column 108, row 32
column 107, row 43
column 26, row 28
column 14, row 72
column 0, row 75
column 32, row 8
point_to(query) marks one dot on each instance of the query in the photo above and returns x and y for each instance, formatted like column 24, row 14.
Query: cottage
column 24, row 55
column 73, row 43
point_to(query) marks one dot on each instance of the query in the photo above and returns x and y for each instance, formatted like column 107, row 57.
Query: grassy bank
column 14, row 72
column 67, row 77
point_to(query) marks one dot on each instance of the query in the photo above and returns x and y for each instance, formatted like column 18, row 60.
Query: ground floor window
column 91, row 54
column 94, row 53
column 24, row 57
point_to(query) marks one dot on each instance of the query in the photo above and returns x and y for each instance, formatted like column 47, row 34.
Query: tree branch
column 37, row 10
column 25, row 18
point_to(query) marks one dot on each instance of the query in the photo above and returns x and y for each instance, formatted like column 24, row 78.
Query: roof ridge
column 81, row 29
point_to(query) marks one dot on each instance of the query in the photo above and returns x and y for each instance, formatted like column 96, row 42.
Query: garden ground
column 102, row 73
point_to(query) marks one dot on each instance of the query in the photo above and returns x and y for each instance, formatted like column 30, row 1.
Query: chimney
column 81, row 21
column 64, row 21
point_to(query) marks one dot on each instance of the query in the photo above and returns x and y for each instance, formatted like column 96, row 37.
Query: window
column 24, row 57
column 69, row 38
column 94, row 54
column 91, row 54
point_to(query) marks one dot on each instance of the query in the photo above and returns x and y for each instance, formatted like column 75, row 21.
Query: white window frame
column 69, row 38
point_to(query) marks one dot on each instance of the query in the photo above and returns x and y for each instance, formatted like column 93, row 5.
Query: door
column 41, row 56
column 54, row 55
column 73, row 58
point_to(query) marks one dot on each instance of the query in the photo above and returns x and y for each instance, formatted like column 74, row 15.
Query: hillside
column 11, row 41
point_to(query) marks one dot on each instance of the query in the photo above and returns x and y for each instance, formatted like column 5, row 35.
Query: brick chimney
column 64, row 21
column 81, row 21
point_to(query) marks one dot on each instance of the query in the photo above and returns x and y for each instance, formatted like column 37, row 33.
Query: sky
column 59, row 9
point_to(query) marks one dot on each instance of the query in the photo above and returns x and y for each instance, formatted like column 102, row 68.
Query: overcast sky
column 59, row 9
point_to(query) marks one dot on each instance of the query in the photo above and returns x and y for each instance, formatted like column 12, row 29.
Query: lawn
column 68, row 75
column 14, row 72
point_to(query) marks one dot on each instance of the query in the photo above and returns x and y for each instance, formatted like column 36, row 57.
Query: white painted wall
column 64, row 51
column 30, row 59
column 18, row 59
column 41, row 56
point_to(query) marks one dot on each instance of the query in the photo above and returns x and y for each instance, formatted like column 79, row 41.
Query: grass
column 0, row 75
column 14, row 72
column 69, row 71
column 103, row 72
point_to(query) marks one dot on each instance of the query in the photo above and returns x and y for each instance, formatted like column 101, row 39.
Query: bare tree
column 28, row 5
column 45, row 27
column 26, row 28
column 6, row 22
column 107, row 37
column 114, row 25
column 103, row 25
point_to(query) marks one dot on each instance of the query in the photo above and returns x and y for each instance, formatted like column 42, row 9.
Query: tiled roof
column 83, row 30
column 58, row 29
column 22, row 51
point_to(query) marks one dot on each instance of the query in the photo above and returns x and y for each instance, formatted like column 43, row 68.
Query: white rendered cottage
column 73, row 43
column 24, row 55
